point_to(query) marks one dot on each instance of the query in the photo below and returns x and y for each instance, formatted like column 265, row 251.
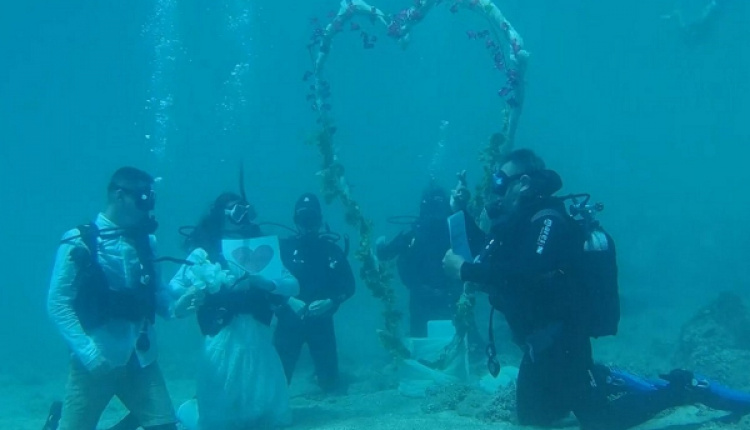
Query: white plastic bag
column 415, row 377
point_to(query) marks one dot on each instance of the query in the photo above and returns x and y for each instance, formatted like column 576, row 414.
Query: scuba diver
column 419, row 252
column 554, row 278
column 241, row 382
column 103, row 298
column 326, row 281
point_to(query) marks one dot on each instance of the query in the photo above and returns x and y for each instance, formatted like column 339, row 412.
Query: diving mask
column 240, row 212
column 501, row 182
column 145, row 200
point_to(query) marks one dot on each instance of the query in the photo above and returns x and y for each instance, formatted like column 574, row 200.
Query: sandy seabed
column 25, row 407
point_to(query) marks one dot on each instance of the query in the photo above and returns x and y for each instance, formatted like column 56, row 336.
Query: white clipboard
column 459, row 239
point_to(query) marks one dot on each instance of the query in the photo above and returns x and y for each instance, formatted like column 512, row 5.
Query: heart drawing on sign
column 254, row 261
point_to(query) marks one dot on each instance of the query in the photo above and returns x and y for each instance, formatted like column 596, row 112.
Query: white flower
column 208, row 276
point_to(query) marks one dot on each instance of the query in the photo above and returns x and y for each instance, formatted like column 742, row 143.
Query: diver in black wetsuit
column 326, row 281
column 432, row 295
column 528, row 270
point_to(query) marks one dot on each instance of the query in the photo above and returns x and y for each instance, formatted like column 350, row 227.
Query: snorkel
column 243, row 212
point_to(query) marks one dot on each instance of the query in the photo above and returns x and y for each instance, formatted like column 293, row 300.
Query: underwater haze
column 618, row 102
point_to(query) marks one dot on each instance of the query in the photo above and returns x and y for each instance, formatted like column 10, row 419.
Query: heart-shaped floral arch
column 506, row 49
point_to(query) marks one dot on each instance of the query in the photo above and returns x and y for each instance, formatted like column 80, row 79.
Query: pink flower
column 515, row 45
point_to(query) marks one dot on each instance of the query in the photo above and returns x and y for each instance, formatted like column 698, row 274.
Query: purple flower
column 394, row 30
column 513, row 77
column 515, row 45
column 499, row 60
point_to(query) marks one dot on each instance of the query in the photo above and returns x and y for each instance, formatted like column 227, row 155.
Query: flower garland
column 505, row 46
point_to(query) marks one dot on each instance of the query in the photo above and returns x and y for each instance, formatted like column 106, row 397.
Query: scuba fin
column 696, row 388
column 709, row 393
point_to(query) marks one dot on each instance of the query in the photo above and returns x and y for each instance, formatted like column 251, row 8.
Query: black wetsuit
column 420, row 251
column 527, row 270
column 323, row 272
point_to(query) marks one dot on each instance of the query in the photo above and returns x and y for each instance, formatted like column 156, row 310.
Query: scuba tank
column 598, row 267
